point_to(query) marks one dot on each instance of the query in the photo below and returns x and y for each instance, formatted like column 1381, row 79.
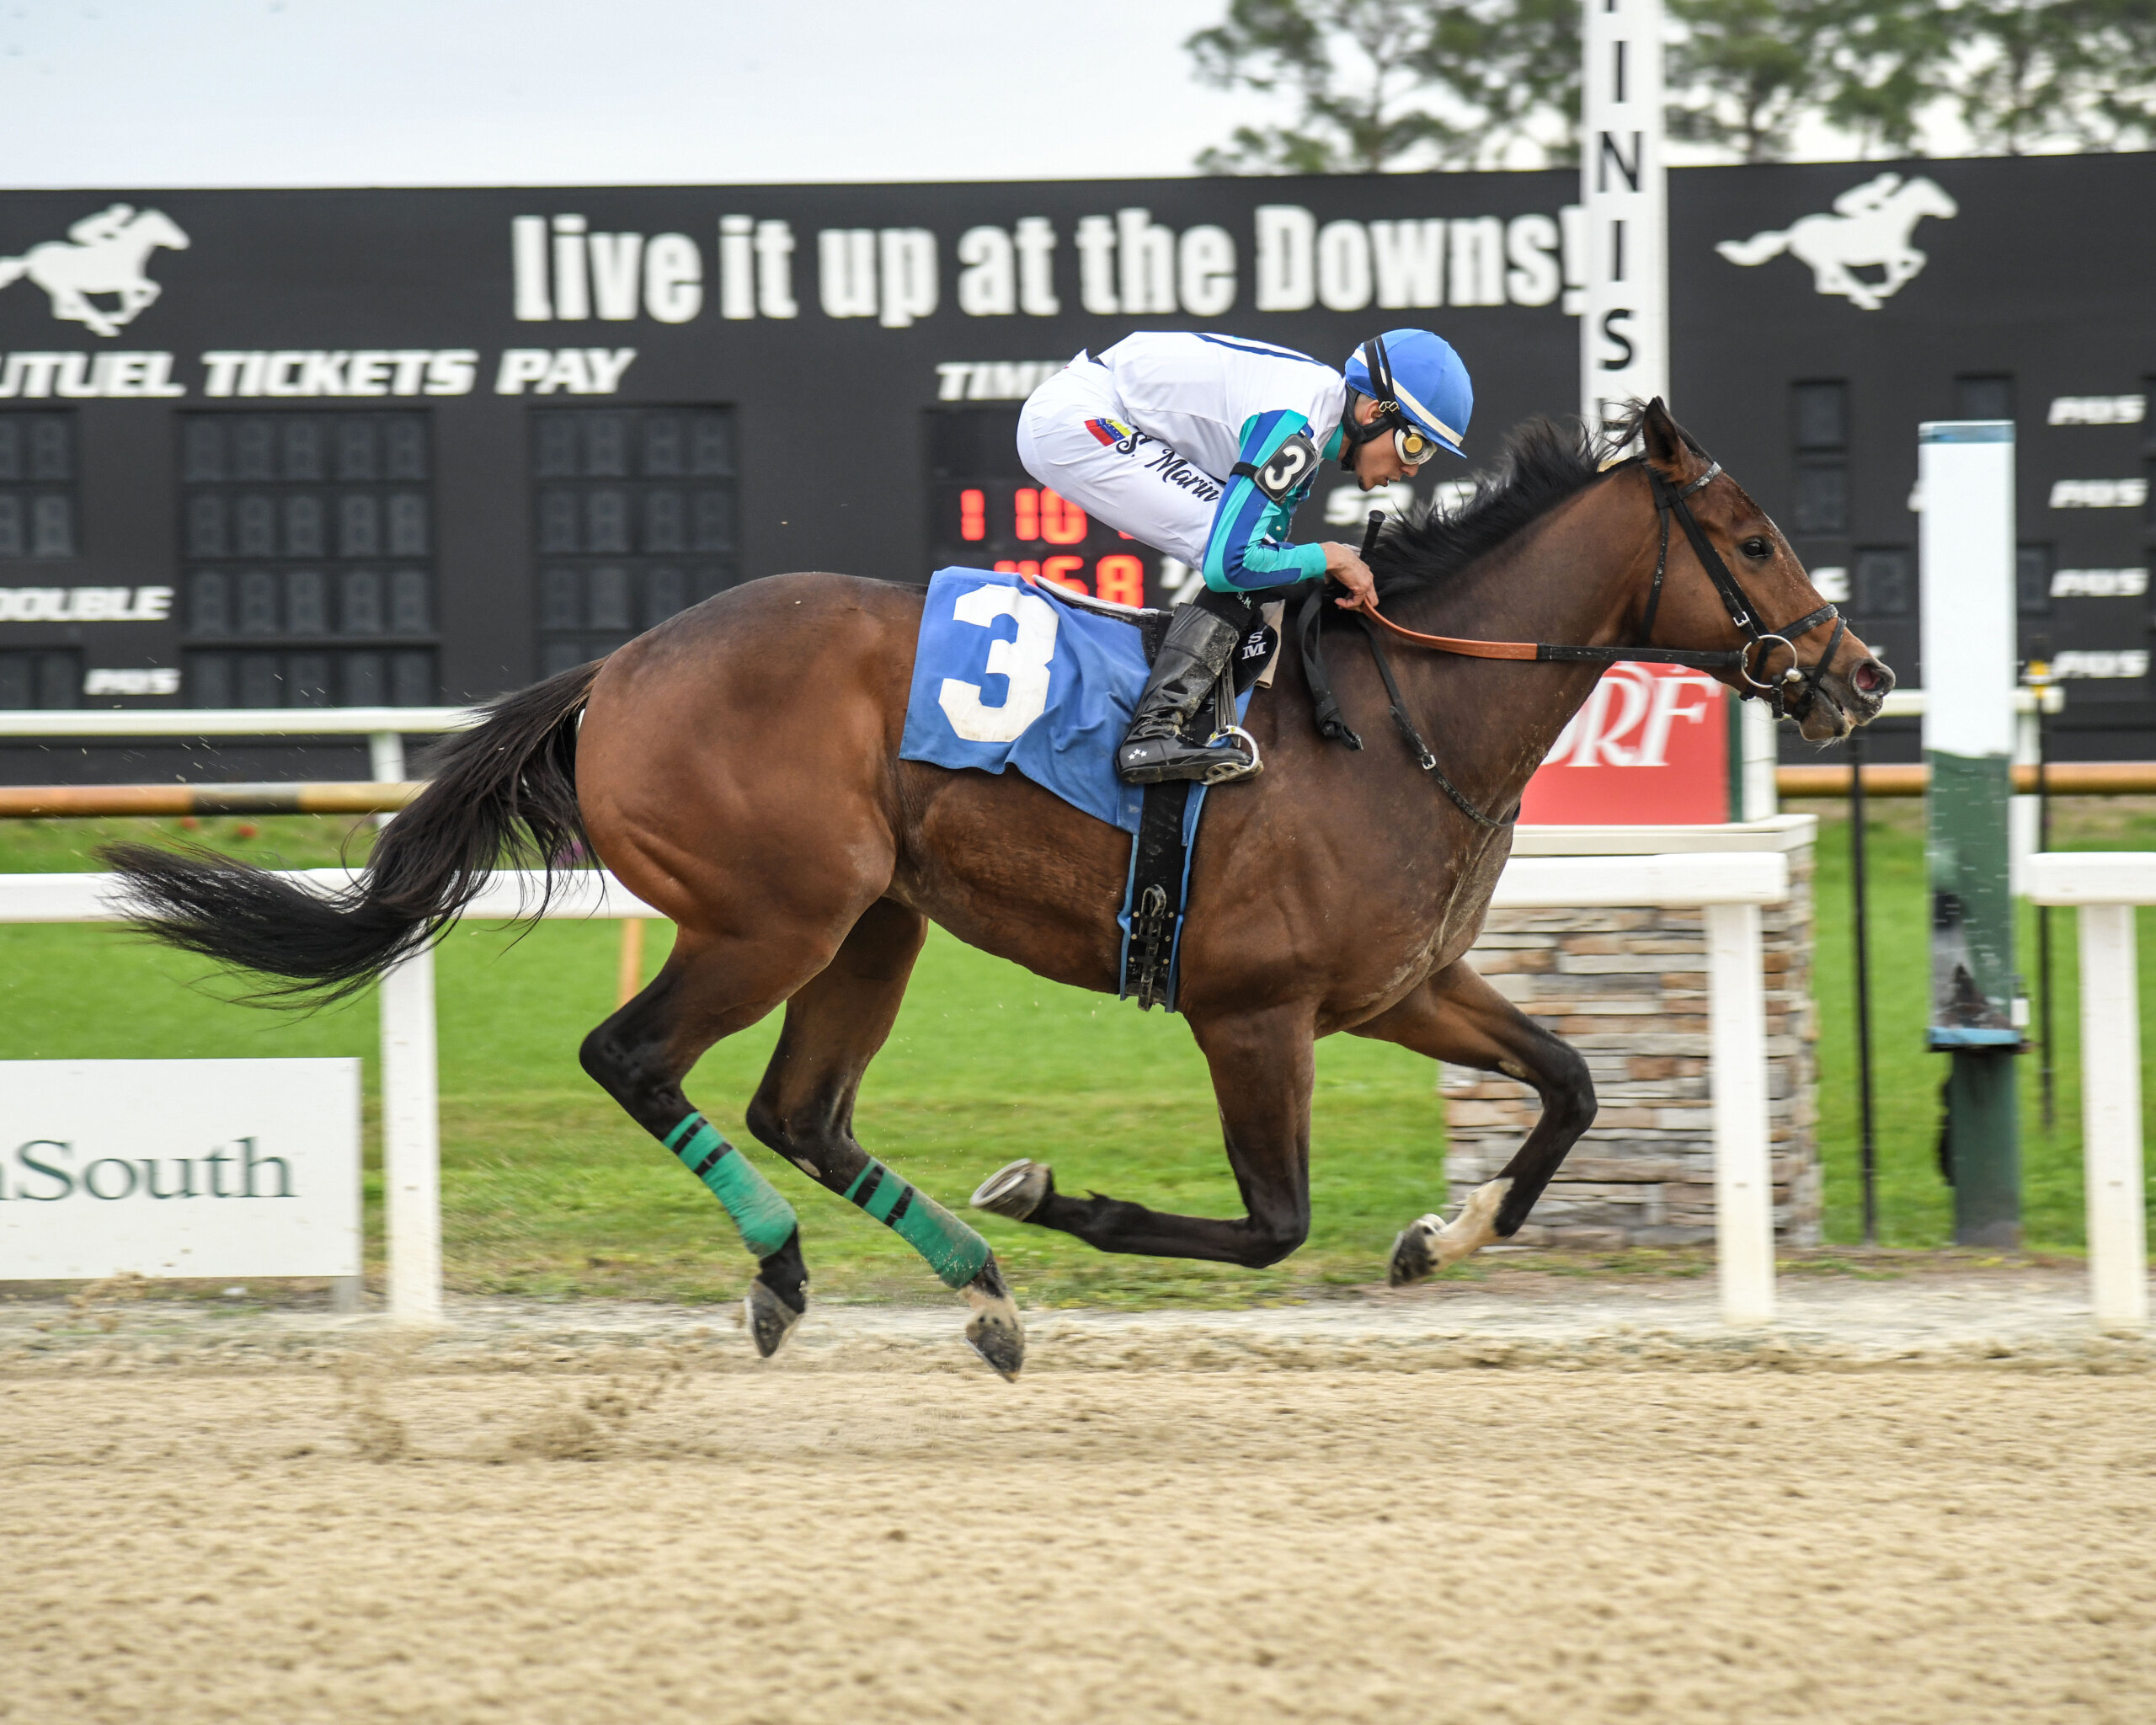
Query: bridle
column 1789, row 695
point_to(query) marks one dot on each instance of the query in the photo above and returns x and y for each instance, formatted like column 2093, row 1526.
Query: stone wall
column 1628, row 989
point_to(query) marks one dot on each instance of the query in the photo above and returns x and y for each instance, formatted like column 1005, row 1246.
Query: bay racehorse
column 738, row 767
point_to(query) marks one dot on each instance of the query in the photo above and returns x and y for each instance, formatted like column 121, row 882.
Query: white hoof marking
column 1431, row 1245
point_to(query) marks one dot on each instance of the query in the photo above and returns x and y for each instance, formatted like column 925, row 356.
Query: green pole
column 1966, row 470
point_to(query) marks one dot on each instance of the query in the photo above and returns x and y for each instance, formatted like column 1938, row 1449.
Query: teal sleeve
column 1244, row 548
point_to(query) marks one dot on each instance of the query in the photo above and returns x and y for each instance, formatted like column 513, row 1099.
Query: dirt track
column 648, row 1533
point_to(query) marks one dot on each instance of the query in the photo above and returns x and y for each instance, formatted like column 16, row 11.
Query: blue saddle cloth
column 1005, row 677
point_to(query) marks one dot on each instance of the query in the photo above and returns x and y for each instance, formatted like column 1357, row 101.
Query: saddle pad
column 1003, row 677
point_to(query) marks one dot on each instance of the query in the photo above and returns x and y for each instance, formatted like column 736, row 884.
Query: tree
column 1391, row 84
column 2057, row 73
column 1745, row 72
column 1386, row 84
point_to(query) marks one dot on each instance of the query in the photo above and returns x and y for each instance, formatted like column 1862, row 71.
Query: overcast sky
column 240, row 92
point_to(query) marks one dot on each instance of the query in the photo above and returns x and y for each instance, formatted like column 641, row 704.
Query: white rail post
column 386, row 756
column 1736, row 1078
column 411, row 1141
column 2111, row 1118
column 386, row 761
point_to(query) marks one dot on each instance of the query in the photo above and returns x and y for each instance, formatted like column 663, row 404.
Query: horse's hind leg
column 1262, row 1070
column 640, row 1056
column 1457, row 1016
column 804, row 1110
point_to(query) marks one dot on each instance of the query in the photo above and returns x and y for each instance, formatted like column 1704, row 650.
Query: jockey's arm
column 1279, row 459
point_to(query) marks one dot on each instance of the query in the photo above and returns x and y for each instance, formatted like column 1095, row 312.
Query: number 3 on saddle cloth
column 1011, row 674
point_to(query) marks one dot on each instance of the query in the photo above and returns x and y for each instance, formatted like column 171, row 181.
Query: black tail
column 503, row 795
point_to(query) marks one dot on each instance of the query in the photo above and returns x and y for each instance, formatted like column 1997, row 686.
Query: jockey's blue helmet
column 1419, row 384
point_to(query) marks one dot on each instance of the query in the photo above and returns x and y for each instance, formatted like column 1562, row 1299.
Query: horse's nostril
column 1871, row 678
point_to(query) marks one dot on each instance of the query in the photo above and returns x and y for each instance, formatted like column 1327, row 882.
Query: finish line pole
column 1965, row 471
column 1625, row 328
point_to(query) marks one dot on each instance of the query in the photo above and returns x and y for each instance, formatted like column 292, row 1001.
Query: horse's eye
column 1755, row 547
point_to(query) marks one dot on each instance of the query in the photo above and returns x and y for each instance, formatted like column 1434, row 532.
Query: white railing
column 2105, row 886
column 385, row 727
column 1732, row 887
column 235, row 722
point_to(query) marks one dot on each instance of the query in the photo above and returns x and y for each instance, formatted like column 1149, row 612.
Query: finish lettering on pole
column 1625, row 335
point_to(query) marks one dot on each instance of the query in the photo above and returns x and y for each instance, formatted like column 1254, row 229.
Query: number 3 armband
column 1285, row 471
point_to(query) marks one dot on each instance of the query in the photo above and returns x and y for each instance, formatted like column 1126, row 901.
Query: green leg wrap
column 953, row 1251
column 765, row 1220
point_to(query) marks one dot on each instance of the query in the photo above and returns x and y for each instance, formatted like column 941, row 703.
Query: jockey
column 1203, row 446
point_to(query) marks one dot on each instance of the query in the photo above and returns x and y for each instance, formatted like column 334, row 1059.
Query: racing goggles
column 1413, row 446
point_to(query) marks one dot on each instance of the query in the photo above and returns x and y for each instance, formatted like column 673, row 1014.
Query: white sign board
column 179, row 1169
column 1965, row 558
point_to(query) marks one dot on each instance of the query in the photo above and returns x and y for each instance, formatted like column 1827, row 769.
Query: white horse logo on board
column 1871, row 228
column 103, row 253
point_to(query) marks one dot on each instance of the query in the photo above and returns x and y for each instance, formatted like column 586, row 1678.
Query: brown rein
column 1669, row 499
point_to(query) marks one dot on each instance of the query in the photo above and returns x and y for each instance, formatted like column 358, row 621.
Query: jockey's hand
column 1345, row 566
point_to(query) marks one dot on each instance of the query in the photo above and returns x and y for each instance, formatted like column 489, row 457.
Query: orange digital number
column 973, row 515
column 1062, row 521
column 1121, row 579
column 1027, row 513
column 1064, row 570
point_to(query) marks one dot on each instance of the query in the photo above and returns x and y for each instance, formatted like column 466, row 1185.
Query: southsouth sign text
column 49, row 1171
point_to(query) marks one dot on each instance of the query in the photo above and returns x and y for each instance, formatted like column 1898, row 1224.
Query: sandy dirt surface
column 1616, row 1512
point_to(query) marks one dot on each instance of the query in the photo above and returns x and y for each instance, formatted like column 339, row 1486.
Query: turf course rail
column 25, row 802
column 2062, row 778
column 2069, row 778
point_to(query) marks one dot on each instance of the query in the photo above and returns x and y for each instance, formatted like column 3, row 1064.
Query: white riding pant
column 1135, row 483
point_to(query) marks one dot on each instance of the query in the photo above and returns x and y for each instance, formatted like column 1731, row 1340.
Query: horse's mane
column 1542, row 462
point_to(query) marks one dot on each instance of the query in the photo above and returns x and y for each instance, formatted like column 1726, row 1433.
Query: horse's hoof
column 1428, row 1245
column 1015, row 1190
column 1414, row 1253
column 770, row 1319
column 996, row 1330
column 1001, row 1342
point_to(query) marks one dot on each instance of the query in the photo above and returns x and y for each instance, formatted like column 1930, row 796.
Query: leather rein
column 1791, row 692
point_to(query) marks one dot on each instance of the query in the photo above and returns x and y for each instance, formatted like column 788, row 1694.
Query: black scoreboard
column 325, row 448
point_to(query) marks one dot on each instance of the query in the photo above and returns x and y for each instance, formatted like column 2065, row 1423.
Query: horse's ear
column 1668, row 450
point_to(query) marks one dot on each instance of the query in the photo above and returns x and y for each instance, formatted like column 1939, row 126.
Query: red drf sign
column 1649, row 747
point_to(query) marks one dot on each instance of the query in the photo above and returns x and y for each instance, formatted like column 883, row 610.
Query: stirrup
column 1177, row 758
column 1248, row 769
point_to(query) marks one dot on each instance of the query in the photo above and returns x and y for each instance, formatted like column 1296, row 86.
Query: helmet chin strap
column 1354, row 433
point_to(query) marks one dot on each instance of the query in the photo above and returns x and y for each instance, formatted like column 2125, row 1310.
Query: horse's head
column 154, row 227
column 1847, row 691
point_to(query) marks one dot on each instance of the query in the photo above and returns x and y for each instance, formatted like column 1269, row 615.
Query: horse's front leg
column 1457, row 1016
column 1261, row 1068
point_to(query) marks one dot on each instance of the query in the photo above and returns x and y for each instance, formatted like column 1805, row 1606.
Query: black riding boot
column 1198, row 649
